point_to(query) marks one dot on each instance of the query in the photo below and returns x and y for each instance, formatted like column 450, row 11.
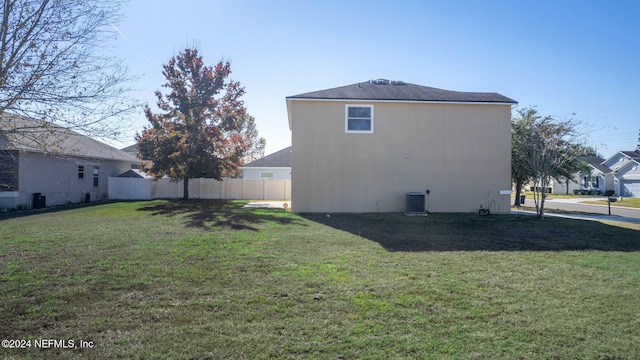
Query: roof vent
column 386, row 82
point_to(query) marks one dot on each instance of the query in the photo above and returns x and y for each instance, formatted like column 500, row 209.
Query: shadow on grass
column 469, row 232
column 51, row 209
column 207, row 214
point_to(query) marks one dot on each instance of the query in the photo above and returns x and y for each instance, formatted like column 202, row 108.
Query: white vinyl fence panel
column 125, row 189
column 240, row 189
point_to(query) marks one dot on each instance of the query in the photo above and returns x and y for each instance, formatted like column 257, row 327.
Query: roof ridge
column 395, row 90
column 58, row 140
column 280, row 158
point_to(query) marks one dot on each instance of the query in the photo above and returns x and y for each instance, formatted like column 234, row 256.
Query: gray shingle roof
column 280, row 158
column 135, row 173
column 382, row 89
column 632, row 154
column 131, row 149
column 25, row 134
column 596, row 163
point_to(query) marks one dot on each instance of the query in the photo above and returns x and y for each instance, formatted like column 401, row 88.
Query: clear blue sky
column 565, row 57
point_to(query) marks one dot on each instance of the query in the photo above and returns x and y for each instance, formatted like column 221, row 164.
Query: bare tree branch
column 56, row 64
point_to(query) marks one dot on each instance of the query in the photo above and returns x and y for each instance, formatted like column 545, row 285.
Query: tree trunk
column 185, row 192
column 518, row 192
column 536, row 199
column 542, row 199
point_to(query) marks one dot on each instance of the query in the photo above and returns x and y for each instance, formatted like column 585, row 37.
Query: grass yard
column 211, row 280
column 529, row 195
column 626, row 202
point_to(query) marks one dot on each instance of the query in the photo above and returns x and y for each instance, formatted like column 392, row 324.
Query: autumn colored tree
column 202, row 129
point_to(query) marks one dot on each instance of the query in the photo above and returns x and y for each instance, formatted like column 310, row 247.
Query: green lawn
column 211, row 280
column 529, row 195
column 626, row 202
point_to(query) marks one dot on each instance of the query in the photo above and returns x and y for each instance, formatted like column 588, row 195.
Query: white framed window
column 96, row 176
column 266, row 175
column 358, row 118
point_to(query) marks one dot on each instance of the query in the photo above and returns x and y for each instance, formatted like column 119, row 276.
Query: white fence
column 147, row 189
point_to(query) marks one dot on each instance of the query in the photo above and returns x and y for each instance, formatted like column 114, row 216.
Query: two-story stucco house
column 61, row 165
column 363, row 147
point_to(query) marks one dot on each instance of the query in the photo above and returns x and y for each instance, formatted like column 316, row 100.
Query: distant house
column 624, row 165
column 135, row 174
column 598, row 178
column 61, row 165
column 276, row 166
column 363, row 147
column 131, row 149
column 619, row 173
column 621, row 158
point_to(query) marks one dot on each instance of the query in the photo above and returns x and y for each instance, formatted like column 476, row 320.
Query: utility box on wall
column 39, row 201
column 415, row 203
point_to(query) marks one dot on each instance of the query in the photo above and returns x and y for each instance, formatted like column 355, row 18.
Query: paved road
column 576, row 205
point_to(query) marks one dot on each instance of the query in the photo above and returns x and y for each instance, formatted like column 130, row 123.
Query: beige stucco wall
column 460, row 152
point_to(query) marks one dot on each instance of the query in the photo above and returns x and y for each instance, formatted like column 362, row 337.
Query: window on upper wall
column 266, row 175
column 358, row 119
column 95, row 176
column 80, row 172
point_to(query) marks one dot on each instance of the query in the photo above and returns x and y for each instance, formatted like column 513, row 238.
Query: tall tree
column 552, row 146
column 56, row 65
column 203, row 129
column 521, row 172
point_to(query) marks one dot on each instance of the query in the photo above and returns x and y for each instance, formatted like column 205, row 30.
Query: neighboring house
column 628, row 179
column 136, row 174
column 363, row 147
column 624, row 165
column 621, row 158
column 133, row 151
column 628, row 176
column 276, row 166
column 619, row 173
column 62, row 165
column 598, row 178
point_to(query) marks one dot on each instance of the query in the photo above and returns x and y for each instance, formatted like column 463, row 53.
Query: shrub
column 576, row 191
column 21, row 207
column 609, row 193
column 597, row 192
